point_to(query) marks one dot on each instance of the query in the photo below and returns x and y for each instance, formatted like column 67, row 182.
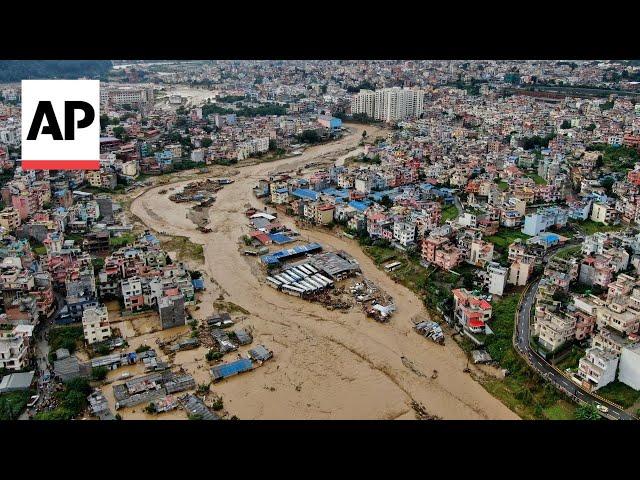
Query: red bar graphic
column 61, row 164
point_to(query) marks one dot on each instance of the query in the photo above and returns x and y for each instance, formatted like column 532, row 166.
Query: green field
column 572, row 359
column 449, row 213
column 505, row 237
column 184, row 248
column 504, row 186
column 561, row 410
column 537, row 178
column 618, row 392
column 589, row 227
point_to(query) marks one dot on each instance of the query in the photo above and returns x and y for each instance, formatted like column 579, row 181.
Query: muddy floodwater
column 327, row 364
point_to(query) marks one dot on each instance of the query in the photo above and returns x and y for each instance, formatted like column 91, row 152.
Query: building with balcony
column 95, row 324
column 471, row 311
column 597, row 368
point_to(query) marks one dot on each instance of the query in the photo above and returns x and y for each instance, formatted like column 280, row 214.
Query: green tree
column 309, row 136
column 587, row 412
column 607, row 184
column 118, row 132
column 99, row 373
column 386, row 201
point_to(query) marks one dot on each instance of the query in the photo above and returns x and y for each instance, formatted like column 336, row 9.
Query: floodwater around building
column 327, row 364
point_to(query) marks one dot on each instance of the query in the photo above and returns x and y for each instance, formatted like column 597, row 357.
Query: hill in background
column 16, row 70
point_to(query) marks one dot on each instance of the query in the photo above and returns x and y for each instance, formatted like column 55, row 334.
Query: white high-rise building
column 389, row 104
column 364, row 102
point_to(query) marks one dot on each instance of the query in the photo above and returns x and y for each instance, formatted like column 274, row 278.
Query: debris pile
column 431, row 330
column 199, row 191
column 421, row 412
column 375, row 302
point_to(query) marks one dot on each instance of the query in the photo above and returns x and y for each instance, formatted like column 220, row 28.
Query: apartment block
column 95, row 324
column 555, row 330
column 597, row 368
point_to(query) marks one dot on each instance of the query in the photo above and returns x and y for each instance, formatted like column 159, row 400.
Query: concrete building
column 132, row 294
column 404, row 233
column 9, row 218
column 95, row 324
column 14, row 347
column 495, row 278
column 171, row 310
column 597, row 368
column 618, row 316
column 555, row 330
column 389, row 104
column 471, row 311
column 519, row 272
column 538, row 222
column 630, row 366
column 480, row 253
column 604, row 213
column 115, row 96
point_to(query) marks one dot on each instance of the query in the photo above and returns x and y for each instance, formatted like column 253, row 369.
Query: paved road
column 545, row 369
column 41, row 353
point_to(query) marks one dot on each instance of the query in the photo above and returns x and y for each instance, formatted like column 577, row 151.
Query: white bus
column 390, row 267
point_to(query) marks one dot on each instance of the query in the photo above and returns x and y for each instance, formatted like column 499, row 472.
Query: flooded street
column 327, row 364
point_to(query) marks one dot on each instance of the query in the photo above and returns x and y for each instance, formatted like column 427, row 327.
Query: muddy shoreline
column 327, row 364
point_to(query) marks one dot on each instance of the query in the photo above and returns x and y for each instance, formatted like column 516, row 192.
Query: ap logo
column 61, row 124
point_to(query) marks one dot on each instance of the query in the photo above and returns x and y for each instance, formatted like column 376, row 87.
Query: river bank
column 327, row 364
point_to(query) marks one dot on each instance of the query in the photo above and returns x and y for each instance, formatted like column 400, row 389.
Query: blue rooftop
column 305, row 193
column 360, row 206
column 231, row 368
column 334, row 192
column 275, row 257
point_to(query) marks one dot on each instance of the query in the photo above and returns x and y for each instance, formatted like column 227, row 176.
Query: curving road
column 548, row 371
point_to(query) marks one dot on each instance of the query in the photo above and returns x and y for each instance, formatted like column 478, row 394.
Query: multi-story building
column 597, row 368
column 630, row 366
column 404, row 232
column 604, row 213
column 480, row 253
column 95, row 324
column 555, row 330
column 471, row 311
column 9, row 218
column 611, row 341
column 171, row 311
column 117, row 96
column 519, row 272
column 495, row 278
column 14, row 347
column 618, row 316
column 538, row 222
column 132, row 294
column 389, row 104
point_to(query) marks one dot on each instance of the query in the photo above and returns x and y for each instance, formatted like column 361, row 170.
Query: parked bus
column 390, row 267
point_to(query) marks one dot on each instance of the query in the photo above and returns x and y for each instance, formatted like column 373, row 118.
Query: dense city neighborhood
column 298, row 222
